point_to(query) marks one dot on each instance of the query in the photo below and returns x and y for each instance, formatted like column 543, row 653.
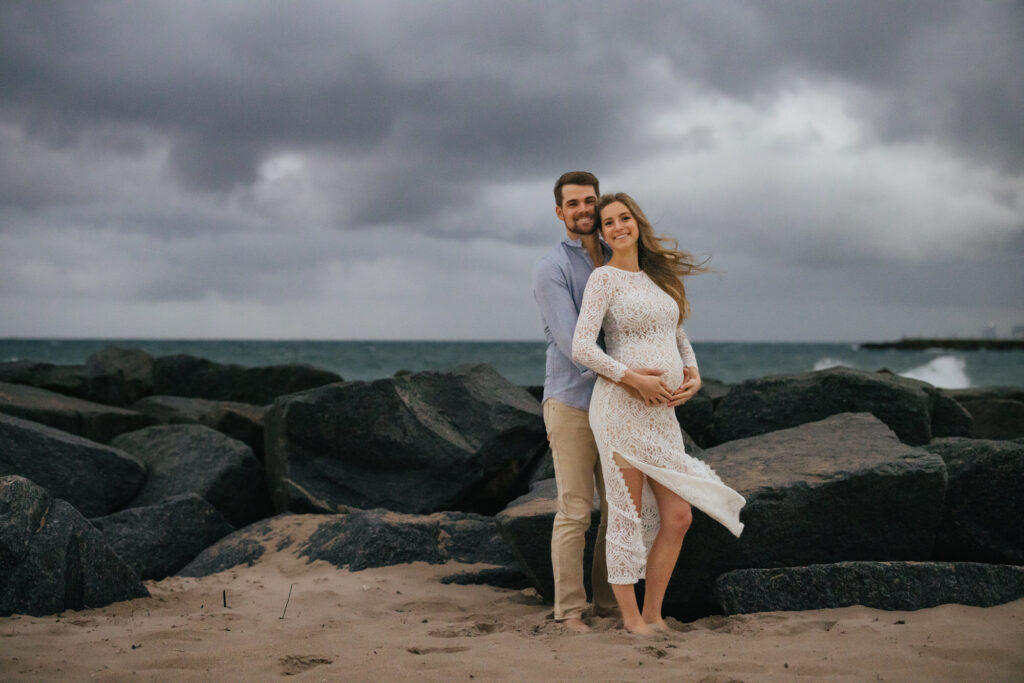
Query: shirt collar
column 578, row 244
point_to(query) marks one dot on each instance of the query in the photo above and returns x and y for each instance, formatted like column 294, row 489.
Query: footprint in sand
column 470, row 630
column 296, row 664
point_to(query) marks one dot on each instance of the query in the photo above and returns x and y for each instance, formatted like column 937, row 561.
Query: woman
column 640, row 300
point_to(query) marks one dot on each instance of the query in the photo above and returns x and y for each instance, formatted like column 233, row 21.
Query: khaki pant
column 577, row 470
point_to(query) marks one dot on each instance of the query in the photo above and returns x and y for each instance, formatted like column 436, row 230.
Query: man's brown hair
column 575, row 178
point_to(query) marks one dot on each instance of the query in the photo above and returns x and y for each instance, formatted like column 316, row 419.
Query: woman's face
column 618, row 226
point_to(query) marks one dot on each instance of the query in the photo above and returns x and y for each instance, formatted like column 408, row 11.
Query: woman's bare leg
column 625, row 594
column 676, row 516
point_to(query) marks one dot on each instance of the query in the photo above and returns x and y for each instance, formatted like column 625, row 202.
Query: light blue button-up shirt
column 558, row 283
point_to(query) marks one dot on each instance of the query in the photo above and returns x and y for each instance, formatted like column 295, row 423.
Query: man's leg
column 574, row 453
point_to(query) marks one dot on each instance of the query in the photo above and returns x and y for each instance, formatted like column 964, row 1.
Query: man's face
column 577, row 209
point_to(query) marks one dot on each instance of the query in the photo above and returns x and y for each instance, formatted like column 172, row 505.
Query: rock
column 158, row 540
column 183, row 375
column 526, row 527
column 881, row 585
column 359, row 539
column 949, row 417
column 502, row 577
column 71, row 380
column 996, row 418
column 462, row 439
column 119, row 376
column 242, row 421
column 196, row 459
column 983, row 515
column 52, row 559
column 536, row 390
column 363, row 539
column 95, row 479
column 768, row 404
column 543, row 468
column 843, row 488
column 94, row 421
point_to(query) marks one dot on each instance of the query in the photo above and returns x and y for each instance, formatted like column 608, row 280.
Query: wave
column 828, row 362
column 946, row 372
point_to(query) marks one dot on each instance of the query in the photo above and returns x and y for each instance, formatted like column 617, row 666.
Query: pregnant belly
column 661, row 359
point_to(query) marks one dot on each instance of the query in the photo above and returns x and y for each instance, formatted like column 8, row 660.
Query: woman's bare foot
column 659, row 626
column 640, row 628
column 575, row 624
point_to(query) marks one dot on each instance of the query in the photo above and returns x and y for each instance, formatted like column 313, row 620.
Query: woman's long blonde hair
column 659, row 256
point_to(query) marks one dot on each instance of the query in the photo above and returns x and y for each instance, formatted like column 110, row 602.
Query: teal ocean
column 523, row 362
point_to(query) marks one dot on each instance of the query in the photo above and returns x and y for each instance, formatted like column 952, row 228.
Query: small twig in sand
column 224, row 595
column 287, row 601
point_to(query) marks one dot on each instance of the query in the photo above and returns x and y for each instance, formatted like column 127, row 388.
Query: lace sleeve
column 685, row 350
column 585, row 350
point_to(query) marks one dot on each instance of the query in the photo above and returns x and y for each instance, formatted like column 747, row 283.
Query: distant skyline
column 383, row 170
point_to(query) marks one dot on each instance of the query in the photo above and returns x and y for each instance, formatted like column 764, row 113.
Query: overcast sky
column 383, row 170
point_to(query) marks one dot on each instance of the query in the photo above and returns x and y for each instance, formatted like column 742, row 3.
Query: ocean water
column 523, row 362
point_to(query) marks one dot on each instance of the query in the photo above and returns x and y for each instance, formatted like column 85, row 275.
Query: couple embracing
column 612, row 301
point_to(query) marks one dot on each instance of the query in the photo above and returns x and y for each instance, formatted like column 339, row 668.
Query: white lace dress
column 641, row 331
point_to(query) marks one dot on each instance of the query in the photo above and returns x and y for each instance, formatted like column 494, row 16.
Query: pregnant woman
column 640, row 301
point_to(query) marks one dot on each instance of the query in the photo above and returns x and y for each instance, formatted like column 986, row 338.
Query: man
column 559, row 280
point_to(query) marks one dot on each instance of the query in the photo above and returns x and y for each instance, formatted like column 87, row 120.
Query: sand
column 401, row 623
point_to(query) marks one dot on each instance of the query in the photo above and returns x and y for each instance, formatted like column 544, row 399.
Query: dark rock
column 983, row 515
column 196, row 459
column 71, row 380
column 378, row 538
column 242, row 421
column 119, row 376
column 768, row 404
column 52, row 559
column 977, row 393
column 536, row 390
column 543, row 468
column 95, row 479
column 526, row 527
column 949, row 417
column 881, row 585
column 183, row 375
column 844, row 488
column 94, row 421
column 996, row 418
column 158, row 540
column 502, row 577
column 359, row 539
column 462, row 439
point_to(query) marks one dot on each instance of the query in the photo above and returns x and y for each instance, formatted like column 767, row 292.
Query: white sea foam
column 827, row 362
column 947, row 372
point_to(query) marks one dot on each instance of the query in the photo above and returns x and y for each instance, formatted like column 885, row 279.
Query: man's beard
column 575, row 229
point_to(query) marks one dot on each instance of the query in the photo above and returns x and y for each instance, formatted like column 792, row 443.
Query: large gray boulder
column 184, row 375
column 158, row 540
column 196, row 459
column 72, row 380
column 882, row 585
column 843, row 488
column 119, row 376
column 94, row 478
column 378, row 538
column 996, row 418
column 359, row 539
column 419, row 443
column 242, row 421
column 52, row 559
column 526, row 527
column 983, row 515
column 94, row 421
column 768, row 404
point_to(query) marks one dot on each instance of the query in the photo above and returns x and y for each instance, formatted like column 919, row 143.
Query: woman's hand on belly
column 690, row 386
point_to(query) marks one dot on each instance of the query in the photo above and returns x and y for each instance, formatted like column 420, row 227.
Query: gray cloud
column 253, row 151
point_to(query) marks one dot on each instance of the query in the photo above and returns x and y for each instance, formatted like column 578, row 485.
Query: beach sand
column 401, row 623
